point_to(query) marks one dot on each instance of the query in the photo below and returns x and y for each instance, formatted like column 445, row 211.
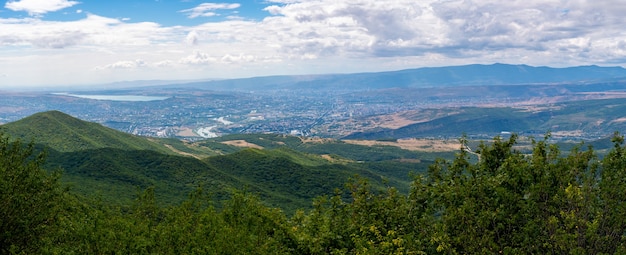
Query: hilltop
column 64, row 133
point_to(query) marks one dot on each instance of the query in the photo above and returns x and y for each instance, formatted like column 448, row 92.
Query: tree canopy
column 543, row 202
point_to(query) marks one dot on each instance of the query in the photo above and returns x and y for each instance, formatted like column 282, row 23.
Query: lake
column 128, row 98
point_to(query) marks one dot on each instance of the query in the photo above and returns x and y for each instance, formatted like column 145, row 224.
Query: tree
column 538, row 203
column 30, row 198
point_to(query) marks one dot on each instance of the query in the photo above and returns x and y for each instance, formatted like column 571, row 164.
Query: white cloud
column 323, row 36
column 238, row 58
column 208, row 9
column 125, row 64
column 92, row 31
column 202, row 58
column 39, row 7
column 192, row 38
column 164, row 63
column 464, row 29
column 197, row 58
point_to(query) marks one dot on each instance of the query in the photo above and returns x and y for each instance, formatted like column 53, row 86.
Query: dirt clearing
column 413, row 144
column 242, row 143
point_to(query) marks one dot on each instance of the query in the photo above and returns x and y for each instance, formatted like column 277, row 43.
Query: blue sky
column 86, row 42
column 165, row 12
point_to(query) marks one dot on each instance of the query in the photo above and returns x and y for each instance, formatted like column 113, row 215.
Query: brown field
column 394, row 121
column 391, row 121
column 181, row 152
column 332, row 159
column 568, row 133
column 425, row 145
column 405, row 118
column 242, row 143
column 327, row 157
column 186, row 132
column 315, row 140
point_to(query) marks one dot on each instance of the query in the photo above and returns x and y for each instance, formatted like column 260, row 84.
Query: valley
column 583, row 112
column 268, row 134
column 286, row 171
column 308, row 166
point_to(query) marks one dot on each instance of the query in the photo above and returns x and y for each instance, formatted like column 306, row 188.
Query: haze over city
column 62, row 42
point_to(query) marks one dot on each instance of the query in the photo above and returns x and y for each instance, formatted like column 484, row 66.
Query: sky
column 86, row 42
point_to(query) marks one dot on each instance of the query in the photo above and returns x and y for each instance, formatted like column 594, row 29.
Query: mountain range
column 465, row 75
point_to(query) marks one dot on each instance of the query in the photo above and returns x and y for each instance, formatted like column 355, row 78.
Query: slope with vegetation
column 112, row 166
column 508, row 202
column 65, row 133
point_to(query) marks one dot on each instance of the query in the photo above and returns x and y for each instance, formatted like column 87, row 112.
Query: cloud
column 92, row 31
column 358, row 29
column 38, row 33
column 164, row 63
column 202, row 58
column 208, row 9
column 60, row 40
column 126, row 64
column 192, row 38
column 457, row 29
column 238, row 58
column 303, row 36
column 197, row 58
column 39, row 7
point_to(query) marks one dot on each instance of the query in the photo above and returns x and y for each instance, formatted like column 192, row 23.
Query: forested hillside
column 507, row 202
column 285, row 171
column 64, row 133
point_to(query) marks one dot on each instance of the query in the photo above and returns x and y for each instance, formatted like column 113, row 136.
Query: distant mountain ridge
column 465, row 75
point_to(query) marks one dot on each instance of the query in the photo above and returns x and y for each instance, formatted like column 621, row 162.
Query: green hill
column 116, row 175
column 508, row 202
column 288, row 172
column 291, row 179
column 65, row 133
